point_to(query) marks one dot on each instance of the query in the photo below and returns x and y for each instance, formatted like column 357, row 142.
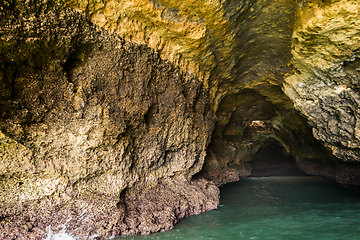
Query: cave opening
column 272, row 160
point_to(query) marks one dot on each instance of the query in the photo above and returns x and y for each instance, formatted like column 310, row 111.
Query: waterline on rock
column 274, row 208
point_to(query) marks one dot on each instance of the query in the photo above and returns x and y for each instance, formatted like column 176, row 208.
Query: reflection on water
column 275, row 208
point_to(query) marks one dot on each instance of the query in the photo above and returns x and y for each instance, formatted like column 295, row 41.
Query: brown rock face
column 94, row 129
column 136, row 211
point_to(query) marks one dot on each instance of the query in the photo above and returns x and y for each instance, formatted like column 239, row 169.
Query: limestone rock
column 85, row 115
column 325, row 84
column 251, row 106
column 136, row 211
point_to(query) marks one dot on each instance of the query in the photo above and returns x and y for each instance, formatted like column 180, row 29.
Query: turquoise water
column 274, row 208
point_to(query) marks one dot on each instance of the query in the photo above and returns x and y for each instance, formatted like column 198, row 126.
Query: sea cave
column 134, row 112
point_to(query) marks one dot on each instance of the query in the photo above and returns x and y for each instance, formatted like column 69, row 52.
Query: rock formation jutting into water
column 123, row 116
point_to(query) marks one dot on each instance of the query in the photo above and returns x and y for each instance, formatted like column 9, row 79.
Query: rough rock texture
column 85, row 115
column 318, row 42
column 326, row 80
column 101, row 136
column 195, row 35
column 252, row 106
column 325, row 83
column 98, row 216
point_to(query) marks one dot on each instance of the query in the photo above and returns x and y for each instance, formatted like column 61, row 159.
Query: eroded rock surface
column 321, row 82
column 325, row 83
column 85, row 115
column 98, row 216
column 252, row 106
column 324, row 87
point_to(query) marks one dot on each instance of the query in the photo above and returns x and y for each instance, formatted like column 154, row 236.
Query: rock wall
column 195, row 35
column 88, row 121
column 252, row 106
column 324, row 85
column 317, row 71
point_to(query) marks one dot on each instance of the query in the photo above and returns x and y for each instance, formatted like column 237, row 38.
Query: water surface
column 274, row 208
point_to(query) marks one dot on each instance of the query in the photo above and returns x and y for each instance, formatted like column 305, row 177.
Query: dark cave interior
column 272, row 160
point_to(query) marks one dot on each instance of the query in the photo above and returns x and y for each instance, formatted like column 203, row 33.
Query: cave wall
column 93, row 124
column 272, row 160
column 252, row 105
column 325, row 82
column 315, row 120
column 109, row 108
column 326, row 79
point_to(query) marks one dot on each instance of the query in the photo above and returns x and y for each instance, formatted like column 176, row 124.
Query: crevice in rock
column 149, row 115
